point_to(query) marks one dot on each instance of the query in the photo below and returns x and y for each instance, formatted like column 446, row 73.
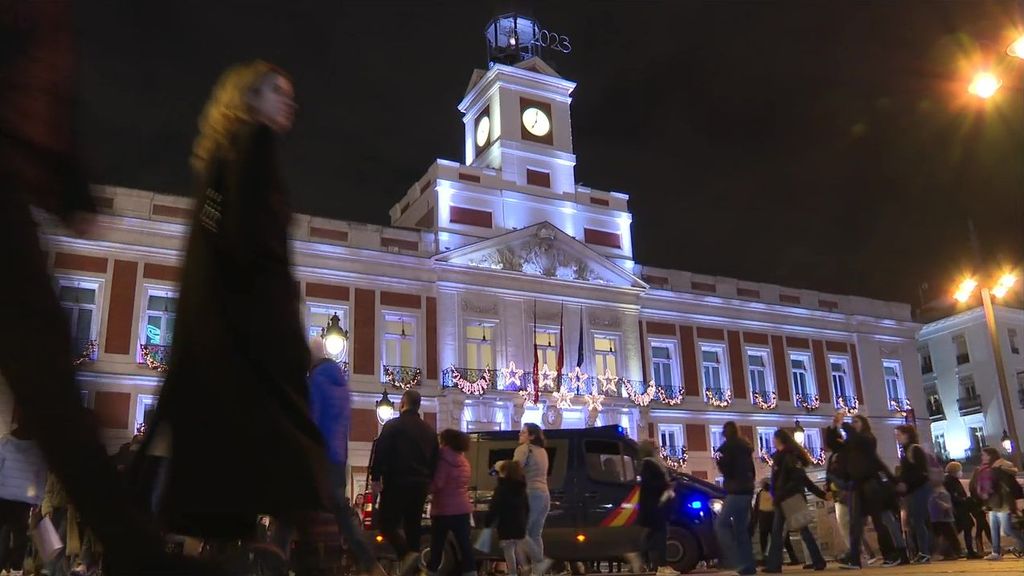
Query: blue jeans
column 774, row 561
column 1001, row 524
column 733, row 532
column 540, row 505
column 919, row 519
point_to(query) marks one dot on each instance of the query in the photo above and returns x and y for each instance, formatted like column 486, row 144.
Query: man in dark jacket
column 39, row 166
column 736, row 464
column 402, row 469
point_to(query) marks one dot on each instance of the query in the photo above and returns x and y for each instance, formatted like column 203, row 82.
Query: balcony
column 809, row 402
column 935, row 410
column 155, row 356
column 962, row 359
column 83, row 351
column 718, row 397
column 969, row 404
column 901, row 406
column 848, row 403
column 403, row 377
column 472, row 381
column 764, row 399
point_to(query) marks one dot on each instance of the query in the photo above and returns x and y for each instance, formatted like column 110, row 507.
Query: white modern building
column 961, row 388
column 483, row 261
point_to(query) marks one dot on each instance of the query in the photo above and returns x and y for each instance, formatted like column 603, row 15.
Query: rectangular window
column 606, row 462
column 399, row 340
column 934, row 401
column 161, row 310
column 606, row 354
column 716, row 377
column 671, row 436
column 765, row 440
column 663, row 366
column 926, row 360
column 318, row 316
column 967, row 388
column 803, row 378
column 892, row 371
column 963, row 355
column 145, row 408
column 841, row 380
column 479, row 345
column 812, row 441
column 939, row 442
column 1011, row 335
column 976, row 435
column 759, row 369
column 717, row 438
column 547, row 346
column 78, row 300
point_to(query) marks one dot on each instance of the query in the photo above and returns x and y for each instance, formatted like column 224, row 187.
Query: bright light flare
column 1016, row 49
column 965, row 289
column 1005, row 283
column 984, row 85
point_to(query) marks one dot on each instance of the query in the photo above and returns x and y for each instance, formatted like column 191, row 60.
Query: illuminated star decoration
column 512, row 376
column 563, row 399
column 594, row 402
column 608, row 382
column 577, row 378
column 547, row 378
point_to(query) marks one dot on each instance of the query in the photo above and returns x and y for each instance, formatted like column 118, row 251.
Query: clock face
column 483, row 131
column 536, row 121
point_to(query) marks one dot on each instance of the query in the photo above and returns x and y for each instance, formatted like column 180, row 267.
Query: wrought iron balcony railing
column 155, row 356
column 808, row 402
column 849, row 403
column 936, row 411
column 718, row 397
column 404, row 377
column 764, row 399
column 969, row 404
column 83, row 350
column 470, row 380
column 899, row 405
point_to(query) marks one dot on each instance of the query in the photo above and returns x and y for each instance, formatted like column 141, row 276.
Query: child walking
column 451, row 506
column 509, row 510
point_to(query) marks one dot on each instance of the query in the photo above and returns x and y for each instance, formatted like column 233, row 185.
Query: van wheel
column 683, row 551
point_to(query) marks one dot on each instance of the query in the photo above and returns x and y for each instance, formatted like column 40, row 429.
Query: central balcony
column 718, row 397
column 969, row 404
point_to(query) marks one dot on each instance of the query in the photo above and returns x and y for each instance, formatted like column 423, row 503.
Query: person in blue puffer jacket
column 330, row 405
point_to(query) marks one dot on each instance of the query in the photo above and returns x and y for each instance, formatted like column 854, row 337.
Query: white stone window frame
column 493, row 325
column 846, row 376
column 673, row 361
column 326, row 308
column 901, row 383
column 543, row 348
column 616, row 340
column 765, row 438
column 805, row 357
column 723, row 365
column 769, row 369
column 412, row 322
column 716, row 437
column 149, row 290
column 677, row 430
column 96, row 308
column 813, row 441
column 143, row 401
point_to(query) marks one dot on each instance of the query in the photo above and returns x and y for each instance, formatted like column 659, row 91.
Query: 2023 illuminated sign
column 553, row 41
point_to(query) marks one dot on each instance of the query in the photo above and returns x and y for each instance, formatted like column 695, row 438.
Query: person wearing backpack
column 509, row 510
column 994, row 483
column 915, row 482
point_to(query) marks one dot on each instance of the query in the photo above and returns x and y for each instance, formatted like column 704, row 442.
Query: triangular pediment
column 535, row 64
column 542, row 250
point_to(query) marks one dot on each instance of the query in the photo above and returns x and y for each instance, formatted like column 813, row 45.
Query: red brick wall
column 364, row 425
column 327, row 291
column 696, row 438
column 365, row 324
column 398, row 300
column 112, row 409
column 161, row 272
column 691, row 382
column 64, row 261
column 821, row 376
column 121, row 313
column 739, row 374
column 781, row 363
column 431, row 338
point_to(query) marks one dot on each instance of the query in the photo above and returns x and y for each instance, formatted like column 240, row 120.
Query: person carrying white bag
column 507, row 514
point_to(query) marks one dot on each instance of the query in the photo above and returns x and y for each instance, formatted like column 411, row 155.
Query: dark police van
column 594, row 492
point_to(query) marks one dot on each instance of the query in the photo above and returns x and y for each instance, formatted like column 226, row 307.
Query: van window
column 606, row 462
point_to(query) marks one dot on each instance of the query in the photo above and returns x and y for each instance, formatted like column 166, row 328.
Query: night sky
column 827, row 145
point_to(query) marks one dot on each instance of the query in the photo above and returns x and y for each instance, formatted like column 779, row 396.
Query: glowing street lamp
column 984, row 85
column 335, row 337
column 964, row 290
column 798, row 433
column 385, row 408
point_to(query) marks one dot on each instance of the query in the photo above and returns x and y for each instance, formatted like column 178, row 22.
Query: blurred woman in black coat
column 790, row 479
column 235, row 398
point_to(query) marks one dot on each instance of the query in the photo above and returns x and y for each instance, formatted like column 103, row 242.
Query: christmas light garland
column 900, row 405
column 712, row 400
column 477, row 388
column 670, row 401
column 640, row 399
column 766, row 458
column 149, row 357
column 810, row 404
column 563, row 399
column 390, row 378
column 87, row 355
column 766, row 404
column 676, row 463
column 820, row 459
column 852, row 408
column 593, row 401
column 512, row 376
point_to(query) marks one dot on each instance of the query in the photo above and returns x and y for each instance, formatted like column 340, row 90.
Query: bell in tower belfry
column 512, row 38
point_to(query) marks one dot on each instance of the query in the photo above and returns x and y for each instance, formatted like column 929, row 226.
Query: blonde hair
column 228, row 108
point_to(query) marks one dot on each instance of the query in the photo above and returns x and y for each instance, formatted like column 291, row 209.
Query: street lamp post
column 1002, row 287
column 798, row 433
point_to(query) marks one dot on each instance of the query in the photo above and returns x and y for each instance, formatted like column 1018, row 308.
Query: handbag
column 46, row 540
column 484, row 540
column 798, row 516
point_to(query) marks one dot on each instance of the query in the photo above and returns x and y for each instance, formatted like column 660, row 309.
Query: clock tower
column 516, row 113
